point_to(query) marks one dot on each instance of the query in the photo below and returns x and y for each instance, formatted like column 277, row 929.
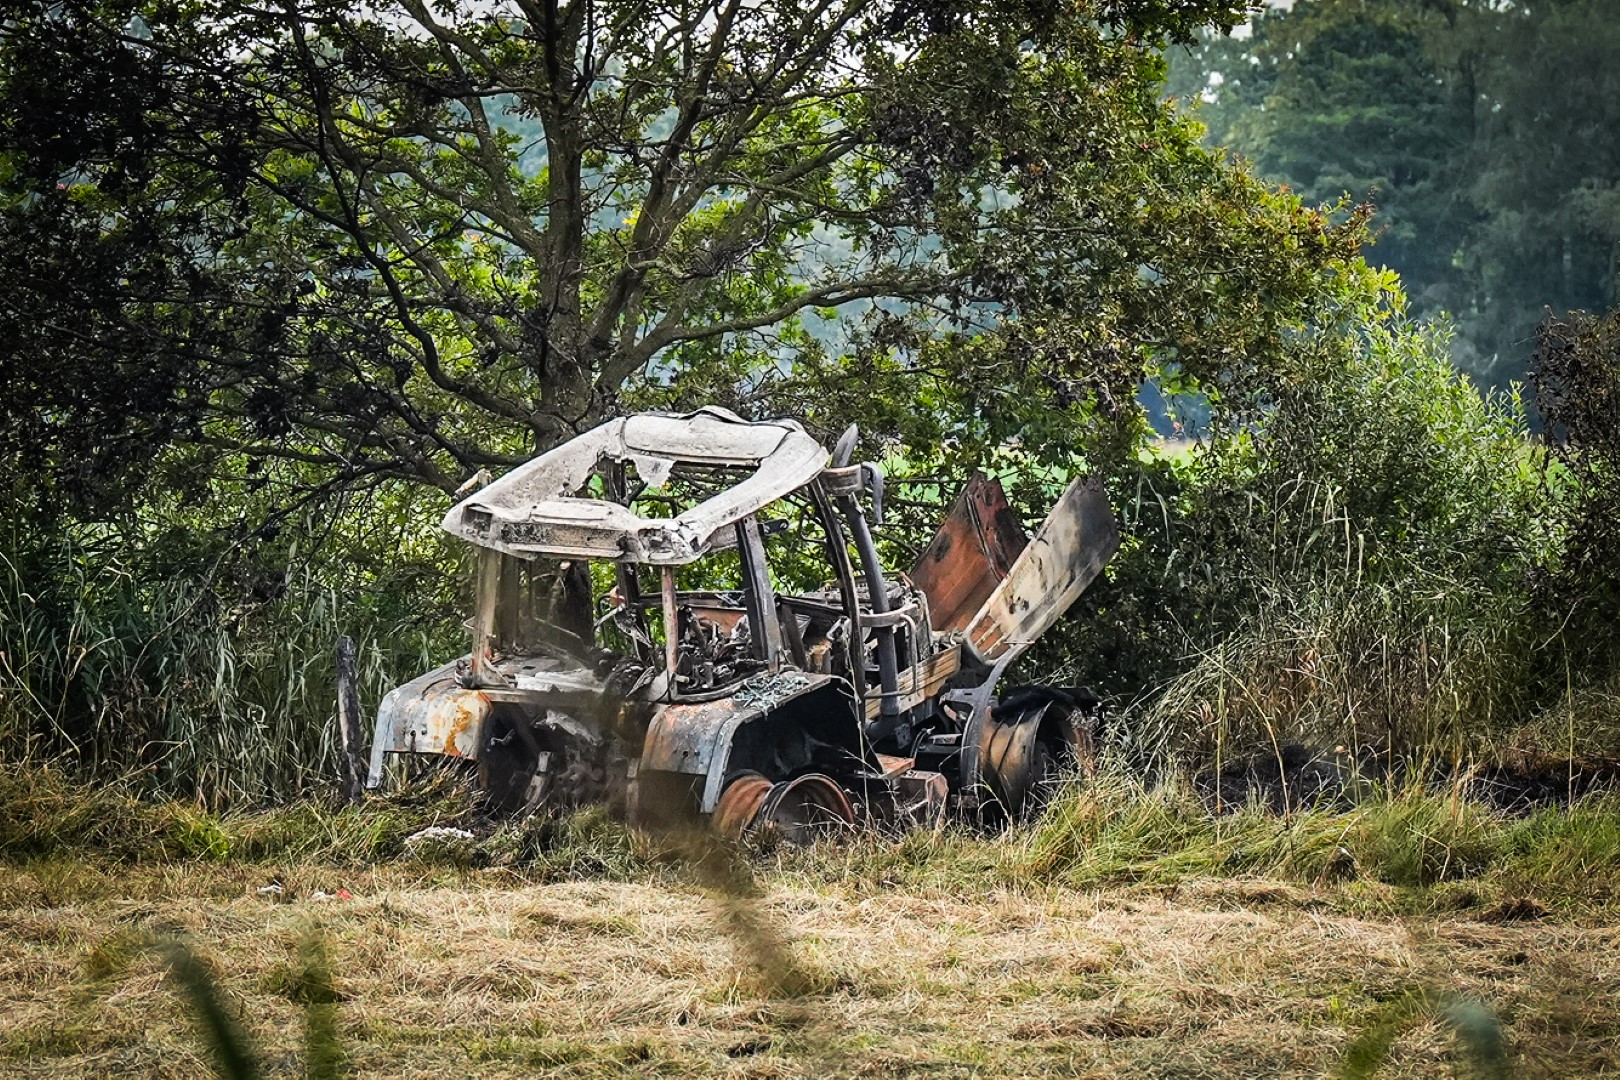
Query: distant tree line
column 1487, row 135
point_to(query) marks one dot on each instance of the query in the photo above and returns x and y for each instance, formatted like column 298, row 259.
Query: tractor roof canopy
column 543, row 509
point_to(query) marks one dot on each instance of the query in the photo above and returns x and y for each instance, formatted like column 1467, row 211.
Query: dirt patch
column 1295, row 776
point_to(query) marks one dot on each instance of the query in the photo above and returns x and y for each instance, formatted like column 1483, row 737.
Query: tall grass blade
column 1479, row 1033
column 323, row 1051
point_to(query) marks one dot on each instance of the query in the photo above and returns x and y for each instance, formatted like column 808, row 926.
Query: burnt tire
column 797, row 811
column 1027, row 750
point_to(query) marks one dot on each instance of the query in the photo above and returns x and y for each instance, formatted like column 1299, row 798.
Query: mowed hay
column 483, row 974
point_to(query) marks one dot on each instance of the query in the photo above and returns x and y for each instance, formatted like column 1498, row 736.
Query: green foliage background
column 1485, row 134
column 243, row 446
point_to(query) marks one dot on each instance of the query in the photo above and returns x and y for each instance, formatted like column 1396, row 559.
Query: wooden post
column 351, row 755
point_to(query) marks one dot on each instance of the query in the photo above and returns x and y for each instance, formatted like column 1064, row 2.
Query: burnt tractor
column 686, row 617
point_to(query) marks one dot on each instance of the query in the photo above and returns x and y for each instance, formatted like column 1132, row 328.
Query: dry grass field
column 452, row 972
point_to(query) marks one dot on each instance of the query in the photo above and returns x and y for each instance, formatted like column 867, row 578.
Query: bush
column 1353, row 565
column 1576, row 375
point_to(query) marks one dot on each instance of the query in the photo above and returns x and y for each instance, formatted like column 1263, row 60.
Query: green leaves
column 1484, row 134
column 422, row 241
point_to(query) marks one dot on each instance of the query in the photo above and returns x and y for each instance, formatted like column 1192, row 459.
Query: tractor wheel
column 739, row 805
column 1024, row 756
column 797, row 811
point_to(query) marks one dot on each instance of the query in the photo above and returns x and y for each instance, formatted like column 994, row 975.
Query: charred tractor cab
column 685, row 617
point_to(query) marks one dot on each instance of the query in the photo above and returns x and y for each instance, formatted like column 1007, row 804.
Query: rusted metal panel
column 432, row 714
column 725, row 619
column 1067, row 554
column 696, row 738
column 971, row 553
column 924, row 681
column 890, row 765
column 684, row 738
column 921, row 798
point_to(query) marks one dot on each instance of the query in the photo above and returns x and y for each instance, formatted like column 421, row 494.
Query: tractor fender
column 431, row 714
column 796, row 715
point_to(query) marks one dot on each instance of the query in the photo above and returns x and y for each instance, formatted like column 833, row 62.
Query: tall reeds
column 201, row 689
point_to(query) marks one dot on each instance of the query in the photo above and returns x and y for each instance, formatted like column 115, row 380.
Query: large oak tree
column 417, row 239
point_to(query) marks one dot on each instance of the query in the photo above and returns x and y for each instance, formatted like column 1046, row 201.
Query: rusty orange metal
column 893, row 765
column 971, row 553
column 681, row 738
column 805, row 807
column 921, row 798
column 740, row 804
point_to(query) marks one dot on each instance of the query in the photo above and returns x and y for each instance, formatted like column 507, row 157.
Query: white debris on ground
column 439, row 834
column 766, row 690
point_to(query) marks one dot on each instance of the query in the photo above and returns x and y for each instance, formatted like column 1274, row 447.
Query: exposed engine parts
column 644, row 638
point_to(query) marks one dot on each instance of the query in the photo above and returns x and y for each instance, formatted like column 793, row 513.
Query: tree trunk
column 351, row 756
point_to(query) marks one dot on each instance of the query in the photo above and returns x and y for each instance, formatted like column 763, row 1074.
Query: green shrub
column 44, row 813
column 1576, row 375
column 1353, row 565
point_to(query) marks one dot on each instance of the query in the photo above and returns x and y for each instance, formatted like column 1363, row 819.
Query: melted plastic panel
column 712, row 436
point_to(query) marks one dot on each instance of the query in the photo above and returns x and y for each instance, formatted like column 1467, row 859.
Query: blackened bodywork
column 686, row 617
